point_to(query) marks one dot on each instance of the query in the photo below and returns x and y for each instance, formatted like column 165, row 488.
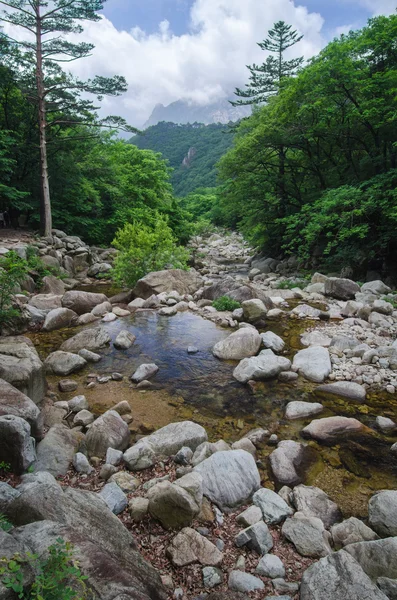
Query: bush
column 226, row 303
column 13, row 271
column 5, row 525
column 57, row 576
column 144, row 248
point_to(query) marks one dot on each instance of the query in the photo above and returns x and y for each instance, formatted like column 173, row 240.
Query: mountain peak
column 182, row 113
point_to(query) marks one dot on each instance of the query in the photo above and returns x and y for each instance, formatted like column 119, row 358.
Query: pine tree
column 36, row 61
column 265, row 79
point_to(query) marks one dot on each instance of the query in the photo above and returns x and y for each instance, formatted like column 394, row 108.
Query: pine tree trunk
column 45, row 208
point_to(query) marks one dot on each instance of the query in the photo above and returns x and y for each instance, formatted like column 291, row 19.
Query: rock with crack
column 56, row 451
column 308, row 535
column 274, row 508
column 189, row 547
column 257, row 538
column 351, row 531
column 21, row 366
column 313, row 502
column 229, row 478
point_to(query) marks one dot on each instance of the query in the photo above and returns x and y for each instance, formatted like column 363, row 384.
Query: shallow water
column 201, row 387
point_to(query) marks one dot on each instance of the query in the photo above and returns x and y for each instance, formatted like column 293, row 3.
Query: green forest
column 312, row 172
column 209, row 144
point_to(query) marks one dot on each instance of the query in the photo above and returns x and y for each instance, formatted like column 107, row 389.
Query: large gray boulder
column 340, row 577
column 274, row 508
column 308, row 535
column 183, row 282
column 351, row 531
column 21, row 366
column 59, row 318
column 382, row 513
column 341, row 289
column 82, row 302
column 46, row 302
column 263, row 367
column 16, row 444
column 91, row 339
column 114, row 497
column 14, row 402
column 313, row 363
column 376, row 287
column 229, row 478
column 313, row 502
column 377, row 558
column 108, row 431
column 55, row 452
column 243, row 343
column 285, row 462
column 330, row 429
column 254, row 310
column 172, row 505
column 64, row 363
column 52, row 285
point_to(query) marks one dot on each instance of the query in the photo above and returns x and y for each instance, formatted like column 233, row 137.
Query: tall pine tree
column 36, row 58
column 265, row 79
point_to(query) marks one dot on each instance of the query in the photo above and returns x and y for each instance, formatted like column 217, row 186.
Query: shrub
column 57, row 576
column 144, row 249
column 13, row 271
column 5, row 525
column 226, row 303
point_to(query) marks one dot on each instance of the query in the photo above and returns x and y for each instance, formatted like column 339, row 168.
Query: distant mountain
column 182, row 113
column 192, row 151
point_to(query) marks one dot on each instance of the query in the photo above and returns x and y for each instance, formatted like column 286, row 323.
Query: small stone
column 290, row 587
column 138, row 508
column 273, row 507
column 67, row 385
column 114, row 457
column 270, row 566
column 107, row 471
column 249, row 517
column 192, row 350
column 83, row 418
column 257, row 538
column 385, row 425
column 240, row 581
column 90, row 356
column 78, row 403
column 128, row 483
column 114, row 497
column 184, row 456
column 81, row 464
column 117, row 376
column 212, row 577
column 240, row 563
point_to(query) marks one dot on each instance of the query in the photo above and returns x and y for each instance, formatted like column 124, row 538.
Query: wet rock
column 385, row 425
column 285, row 462
column 82, row 302
column 301, row 410
column 59, row 318
column 377, row 558
column 108, row 431
column 14, row 402
column 16, row 444
column 212, row 577
column 272, row 341
column 190, row 547
column 270, row 566
column 331, row 429
column 229, row 478
column 124, row 340
column 253, row 310
column 114, row 497
column 138, row 508
column 338, row 576
column 64, row 363
column 308, row 535
column 81, row 464
column 341, row 289
column 240, row 344
column 351, row 531
column 90, row 356
column 21, row 366
column 56, row 451
column 90, row 339
column 244, row 582
column 313, row 363
column 343, row 389
column 313, row 502
column 274, row 508
column 261, row 368
column 144, row 372
column 257, row 537
column 250, row 516
column 382, row 513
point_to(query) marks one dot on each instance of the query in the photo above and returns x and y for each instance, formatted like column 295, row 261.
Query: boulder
column 90, row 339
column 212, row 577
column 274, row 508
column 56, row 451
column 308, row 535
column 313, row 502
column 313, row 363
column 59, row 318
column 7, row 495
column 243, row 343
column 16, row 444
column 244, row 582
column 14, row 402
column 343, row 389
column 90, row 356
column 81, row 463
column 124, row 340
column 285, row 462
column 351, row 531
column 114, row 497
column 82, row 302
column 78, row 403
column 250, row 516
column 83, row 418
column 144, row 372
column 257, row 538
column 52, row 285
column 341, row 289
column 86, row 319
column 265, row 366
column 377, row 558
column 272, row 341
column 300, row 410
column 21, row 366
column 190, row 547
column 183, row 282
column 270, row 566
column 100, row 310
column 171, row 438
column 46, row 302
column 228, row 286
column 340, row 577
column 385, row 424
column 254, row 310
column 229, row 478
column 376, row 287
column 138, row 508
column 64, row 363
column 388, row 587
column 382, row 513
column 172, row 505
column 108, row 431
column 128, row 483
column 330, row 429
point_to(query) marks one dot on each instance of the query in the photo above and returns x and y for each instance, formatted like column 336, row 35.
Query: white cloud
column 200, row 66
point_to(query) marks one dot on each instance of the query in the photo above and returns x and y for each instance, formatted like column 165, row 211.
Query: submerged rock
column 301, row 410
column 144, row 372
column 331, row 429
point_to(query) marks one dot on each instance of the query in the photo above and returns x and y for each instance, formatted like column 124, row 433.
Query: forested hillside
column 210, row 142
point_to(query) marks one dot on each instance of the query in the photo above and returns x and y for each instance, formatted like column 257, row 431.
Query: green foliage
column 144, row 248
column 226, row 303
column 290, row 284
column 4, row 466
column 57, row 576
column 13, row 271
column 174, row 141
column 5, row 525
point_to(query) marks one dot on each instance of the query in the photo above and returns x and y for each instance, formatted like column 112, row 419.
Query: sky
column 197, row 50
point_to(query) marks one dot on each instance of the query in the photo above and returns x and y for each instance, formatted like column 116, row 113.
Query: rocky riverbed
column 248, row 452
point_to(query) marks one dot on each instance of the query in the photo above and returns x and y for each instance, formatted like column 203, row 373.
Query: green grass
column 226, row 303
